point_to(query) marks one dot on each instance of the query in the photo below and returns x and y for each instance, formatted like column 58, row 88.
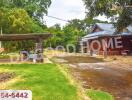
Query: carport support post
column 105, row 53
column 39, row 50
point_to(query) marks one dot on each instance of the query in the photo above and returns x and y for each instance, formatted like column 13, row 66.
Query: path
column 114, row 77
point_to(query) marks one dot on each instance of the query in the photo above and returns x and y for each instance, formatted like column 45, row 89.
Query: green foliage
column 21, row 17
column 24, row 16
column 96, row 7
column 4, row 19
column 104, row 7
column 17, row 21
column 58, row 36
column 69, row 34
column 35, row 8
column 125, row 19
column 72, row 34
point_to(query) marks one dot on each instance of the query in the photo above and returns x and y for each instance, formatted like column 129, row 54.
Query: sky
column 65, row 9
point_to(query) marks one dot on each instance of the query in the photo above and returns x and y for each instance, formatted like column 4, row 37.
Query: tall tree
column 17, row 21
column 35, row 8
column 110, row 8
column 73, row 32
column 57, row 38
column 22, row 16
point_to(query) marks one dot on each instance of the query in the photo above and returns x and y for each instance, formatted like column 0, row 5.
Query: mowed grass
column 46, row 81
column 99, row 95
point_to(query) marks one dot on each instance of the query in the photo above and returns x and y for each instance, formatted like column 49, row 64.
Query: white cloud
column 65, row 9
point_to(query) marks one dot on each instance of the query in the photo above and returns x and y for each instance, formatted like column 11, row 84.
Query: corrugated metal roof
column 99, row 34
column 106, row 27
column 108, row 30
column 129, row 28
column 125, row 33
column 110, row 27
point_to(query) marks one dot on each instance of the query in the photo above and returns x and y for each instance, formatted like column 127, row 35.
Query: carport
column 37, row 37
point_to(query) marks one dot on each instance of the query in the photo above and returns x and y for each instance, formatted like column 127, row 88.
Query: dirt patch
column 113, row 75
column 6, row 76
column 80, row 59
column 110, row 77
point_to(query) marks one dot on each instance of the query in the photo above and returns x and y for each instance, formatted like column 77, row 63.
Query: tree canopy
column 110, row 8
column 17, row 20
column 35, row 8
column 71, row 33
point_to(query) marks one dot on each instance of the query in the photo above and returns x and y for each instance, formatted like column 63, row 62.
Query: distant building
column 104, row 40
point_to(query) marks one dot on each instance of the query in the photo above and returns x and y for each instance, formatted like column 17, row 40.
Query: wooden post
column 105, row 53
column 91, row 52
column 90, row 49
column 39, row 50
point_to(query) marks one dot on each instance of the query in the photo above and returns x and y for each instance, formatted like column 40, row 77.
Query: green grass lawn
column 46, row 81
column 99, row 95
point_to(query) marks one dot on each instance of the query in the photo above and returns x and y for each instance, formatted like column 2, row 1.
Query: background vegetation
column 26, row 16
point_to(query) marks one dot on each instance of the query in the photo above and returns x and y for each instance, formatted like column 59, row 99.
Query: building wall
column 115, row 45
